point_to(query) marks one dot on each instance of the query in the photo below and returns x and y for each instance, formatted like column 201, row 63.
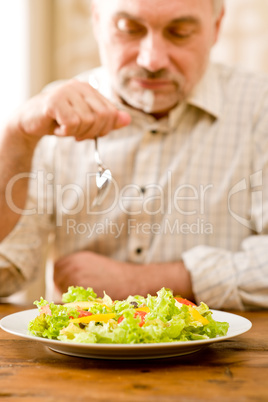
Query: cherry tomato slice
column 140, row 314
column 184, row 301
column 120, row 319
column 83, row 313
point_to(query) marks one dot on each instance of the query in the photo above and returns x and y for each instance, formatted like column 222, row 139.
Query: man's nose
column 153, row 53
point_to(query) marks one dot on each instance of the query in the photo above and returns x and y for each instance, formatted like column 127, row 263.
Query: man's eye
column 180, row 33
column 128, row 26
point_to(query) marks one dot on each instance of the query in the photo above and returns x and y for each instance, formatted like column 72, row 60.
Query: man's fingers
column 73, row 109
column 104, row 116
column 123, row 119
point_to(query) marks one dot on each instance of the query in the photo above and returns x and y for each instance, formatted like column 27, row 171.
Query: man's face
column 155, row 50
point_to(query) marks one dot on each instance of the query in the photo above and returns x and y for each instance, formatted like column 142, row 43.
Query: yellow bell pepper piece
column 93, row 317
column 107, row 307
column 197, row 316
column 83, row 305
column 146, row 309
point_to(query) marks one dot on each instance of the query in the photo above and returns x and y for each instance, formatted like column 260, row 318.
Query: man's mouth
column 152, row 84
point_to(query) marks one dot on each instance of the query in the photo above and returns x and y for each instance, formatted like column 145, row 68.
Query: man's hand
column 88, row 269
column 120, row 279
column 71, row 109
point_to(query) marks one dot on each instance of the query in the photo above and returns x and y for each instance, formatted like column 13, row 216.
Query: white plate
column 17, row 324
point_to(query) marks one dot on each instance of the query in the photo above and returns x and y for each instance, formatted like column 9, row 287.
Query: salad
column 85, row 318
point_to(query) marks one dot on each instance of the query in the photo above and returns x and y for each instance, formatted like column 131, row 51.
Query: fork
column 103, row 178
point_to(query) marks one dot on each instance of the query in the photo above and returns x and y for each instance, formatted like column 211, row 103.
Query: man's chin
column 157, row 108
column 159, row 111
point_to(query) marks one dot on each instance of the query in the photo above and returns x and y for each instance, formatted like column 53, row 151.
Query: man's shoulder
column 236, row 76
column 97, row 77
column 88, row 74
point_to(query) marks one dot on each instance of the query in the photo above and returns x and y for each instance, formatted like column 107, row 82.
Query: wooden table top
column 232, row 370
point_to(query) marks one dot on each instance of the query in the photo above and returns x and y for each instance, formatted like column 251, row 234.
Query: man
column 186, row 144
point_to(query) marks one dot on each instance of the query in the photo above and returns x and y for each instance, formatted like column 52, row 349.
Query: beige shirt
column 192, row 186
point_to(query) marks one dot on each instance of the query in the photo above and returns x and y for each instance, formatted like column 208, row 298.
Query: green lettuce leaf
column 166, row 321
column 78, row 293
column 49, row 325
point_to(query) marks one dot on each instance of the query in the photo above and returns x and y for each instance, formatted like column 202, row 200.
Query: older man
column 186, row 142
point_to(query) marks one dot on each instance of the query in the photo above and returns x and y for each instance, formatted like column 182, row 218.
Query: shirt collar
column 207, row 96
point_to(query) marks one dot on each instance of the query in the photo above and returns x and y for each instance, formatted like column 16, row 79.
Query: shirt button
column 139, row 250
column 143, row 190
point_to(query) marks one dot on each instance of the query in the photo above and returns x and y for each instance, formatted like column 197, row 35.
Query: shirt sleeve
column 231, row 280
column 239, row 280
column 25, row 248
column 22, row 254
column 11, row 279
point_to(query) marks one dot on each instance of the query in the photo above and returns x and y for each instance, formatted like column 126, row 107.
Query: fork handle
column 97, row 156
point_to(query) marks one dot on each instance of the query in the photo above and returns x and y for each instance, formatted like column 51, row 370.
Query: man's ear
column 218, row 24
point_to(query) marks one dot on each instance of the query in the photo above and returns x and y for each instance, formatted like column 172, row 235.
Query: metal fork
column 103, row 178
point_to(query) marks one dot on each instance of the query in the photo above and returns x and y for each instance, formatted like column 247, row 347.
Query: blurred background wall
column 46, row 40
column 243, row 41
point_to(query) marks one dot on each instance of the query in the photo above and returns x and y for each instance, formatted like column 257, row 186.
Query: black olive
column 134, row 304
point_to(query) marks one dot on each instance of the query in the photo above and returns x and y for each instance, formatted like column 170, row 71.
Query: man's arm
column 120, row 279
column 15, row 160
column 224, row 279
column 72, row 109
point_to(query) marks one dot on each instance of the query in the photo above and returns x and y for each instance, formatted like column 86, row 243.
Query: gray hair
column 217, row 4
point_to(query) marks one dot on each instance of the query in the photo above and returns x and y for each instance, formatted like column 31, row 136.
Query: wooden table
column 232, row 370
